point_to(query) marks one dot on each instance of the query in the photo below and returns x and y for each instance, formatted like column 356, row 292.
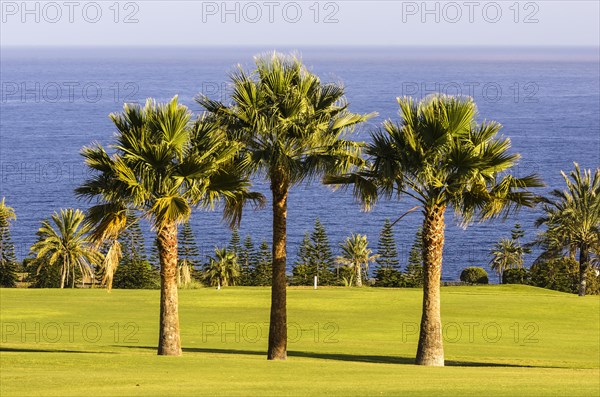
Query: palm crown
column 575, row 212
column 439, row 155
column 162, row 165
column 290, row 123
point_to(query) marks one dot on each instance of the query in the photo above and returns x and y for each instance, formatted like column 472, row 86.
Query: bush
column 562, row 274
column 557, row 274
column 474, row 275
column 515, row 276
column 593, row 281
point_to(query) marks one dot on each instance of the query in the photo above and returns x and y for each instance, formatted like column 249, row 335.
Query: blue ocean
column 56, row 100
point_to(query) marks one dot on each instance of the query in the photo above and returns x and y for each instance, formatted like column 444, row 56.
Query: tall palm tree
column 441, row 157
column 292, row 127
column 357, row 254
column 162, row 166
column 572, row 217
column 64, row 242
column 506, row 254
column 223, row 269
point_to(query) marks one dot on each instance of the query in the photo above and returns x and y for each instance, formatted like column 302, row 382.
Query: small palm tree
column 163, row 165
column 441, row 157
column 357, row 255
column 223, row 269
column 293, row 129
column 572, row 218
column 506, row 254
column 63, row 242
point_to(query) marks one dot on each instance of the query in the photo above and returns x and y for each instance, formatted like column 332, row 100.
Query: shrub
column 593, row 281
column 515, row 276
column 558, row 274
column 562, row 274
column 474, row 275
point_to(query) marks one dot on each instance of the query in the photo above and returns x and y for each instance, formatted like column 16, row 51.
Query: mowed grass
column 500, row 341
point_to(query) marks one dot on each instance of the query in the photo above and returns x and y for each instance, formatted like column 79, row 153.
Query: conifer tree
column 517, row 232
column 301, row 274
column 264, row 266
column 247, row 262
column 134, row 270
column 413, row 276
column 133, row 245
column 8, row 259
column 235, row 242
column 188, row 255
column 154, row 259
column 386, row 248
column 387, row 272
column 321, row 261
column 188, row 247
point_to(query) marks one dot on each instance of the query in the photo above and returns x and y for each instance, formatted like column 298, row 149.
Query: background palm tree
column 441, row 157
column 357, row 255
column 292, row 127
column 572, row 218
column 63, row 242
column 506, row 254
column 162, row 166
column 222, row 270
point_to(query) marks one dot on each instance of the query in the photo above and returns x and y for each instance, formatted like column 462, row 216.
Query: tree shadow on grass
column 38, row 350
column 346, row 357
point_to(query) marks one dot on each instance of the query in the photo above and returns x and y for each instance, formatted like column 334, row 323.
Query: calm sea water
column 54, row 101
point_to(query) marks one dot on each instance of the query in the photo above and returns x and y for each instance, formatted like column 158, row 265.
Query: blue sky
column 300, row 23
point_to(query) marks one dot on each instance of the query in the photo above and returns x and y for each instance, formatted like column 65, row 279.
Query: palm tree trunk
column 431, row 348
column 169, row 343
column 583, row 265
column 278, row 321
column 63, row 275
column 358, row 275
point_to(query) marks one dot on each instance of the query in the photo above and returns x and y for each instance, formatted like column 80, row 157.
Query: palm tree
column 356, row 254
column 506, row 254
column 573, row 219
column 439, row 156
column 64, row 242
column 292, row 127
column 162, row 166
column 222, row 269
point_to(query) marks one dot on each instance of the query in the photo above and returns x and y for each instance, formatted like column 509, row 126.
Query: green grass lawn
column 500, row 341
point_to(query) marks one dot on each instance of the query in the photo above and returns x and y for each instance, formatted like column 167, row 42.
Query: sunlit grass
column 500, row 340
